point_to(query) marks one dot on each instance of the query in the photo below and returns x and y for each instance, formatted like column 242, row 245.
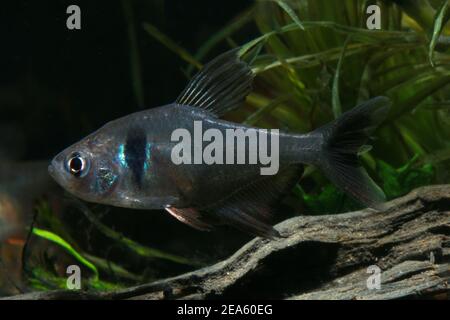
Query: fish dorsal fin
column 220, row 86
column 250, row 208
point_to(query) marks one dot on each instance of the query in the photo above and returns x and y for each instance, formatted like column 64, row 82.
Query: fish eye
column 77, row 165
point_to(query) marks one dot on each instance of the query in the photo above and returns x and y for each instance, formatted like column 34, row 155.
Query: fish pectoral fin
column 220, row 86
column 189, row 216
column 251, row 207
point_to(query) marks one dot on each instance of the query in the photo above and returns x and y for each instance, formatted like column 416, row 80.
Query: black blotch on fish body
column 135, row 154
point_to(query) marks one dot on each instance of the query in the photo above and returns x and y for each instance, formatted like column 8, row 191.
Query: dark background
column 61, row 84
column 58, row 85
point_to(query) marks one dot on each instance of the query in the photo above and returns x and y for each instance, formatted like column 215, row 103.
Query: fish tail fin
column 342, row 140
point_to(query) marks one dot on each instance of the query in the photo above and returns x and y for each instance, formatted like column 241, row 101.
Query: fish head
column 86, row 169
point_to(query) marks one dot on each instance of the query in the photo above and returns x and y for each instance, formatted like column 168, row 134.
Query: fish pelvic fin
column 342, row 140
column 190, row 216
column 220, row 86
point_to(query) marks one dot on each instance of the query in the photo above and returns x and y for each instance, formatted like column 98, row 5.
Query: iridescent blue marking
column 121, row 156
column 147, row 156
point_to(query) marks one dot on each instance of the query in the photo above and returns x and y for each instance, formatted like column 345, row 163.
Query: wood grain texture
column 324, row 257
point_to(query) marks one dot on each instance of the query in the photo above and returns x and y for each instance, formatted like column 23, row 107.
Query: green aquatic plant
column 64, row 244
column 318, row 59
column 437, row 28
column 43, row 280
column 313, row 60
column 133, row 246
column 41, row 272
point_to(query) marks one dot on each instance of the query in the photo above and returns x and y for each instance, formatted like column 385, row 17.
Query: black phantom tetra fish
column 127, row 162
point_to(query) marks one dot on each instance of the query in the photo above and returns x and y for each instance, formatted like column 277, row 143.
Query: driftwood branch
column 324, row 257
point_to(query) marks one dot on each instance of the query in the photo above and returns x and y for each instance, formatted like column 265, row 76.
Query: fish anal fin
column 220, row 86
column 189, row 216
column 251, row 207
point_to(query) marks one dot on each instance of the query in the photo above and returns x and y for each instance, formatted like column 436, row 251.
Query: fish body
column 129, row 161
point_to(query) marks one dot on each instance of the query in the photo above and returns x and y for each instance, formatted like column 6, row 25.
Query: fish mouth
column 54, row 172
column 55, row 167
